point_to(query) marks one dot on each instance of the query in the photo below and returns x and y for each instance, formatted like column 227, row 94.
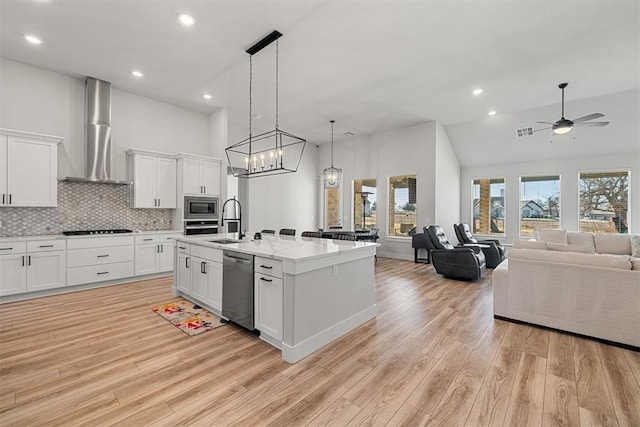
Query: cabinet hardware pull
column 46, row 246
column 5, row 249
column 23, row 260
column 268, row 267
column 182, row 247
column 158, row 202
column 29, row 260
column 146, row 240
column 3, row 196
column 205, row 189
column 103, row 256
column 162, row 248
column 9, row 198
column 203, row 267
column 186, row 262
column 103, row 272
column 266, row 280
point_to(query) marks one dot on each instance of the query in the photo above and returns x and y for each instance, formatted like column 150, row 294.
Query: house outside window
column 364, row 204
column 539, row 203
column 488, row 206
column 402, row 205
column 604, row 202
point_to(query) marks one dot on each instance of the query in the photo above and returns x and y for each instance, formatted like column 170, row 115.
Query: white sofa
column 591, row 289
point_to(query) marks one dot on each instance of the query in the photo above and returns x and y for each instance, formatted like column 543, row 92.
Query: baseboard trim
column 575, row 334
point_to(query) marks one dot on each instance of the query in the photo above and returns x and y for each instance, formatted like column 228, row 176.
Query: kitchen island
column 308, row 291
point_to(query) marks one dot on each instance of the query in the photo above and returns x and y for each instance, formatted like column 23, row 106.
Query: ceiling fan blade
column 538, row 130
column 592, row 124
column 589, row 117
column 546, row 123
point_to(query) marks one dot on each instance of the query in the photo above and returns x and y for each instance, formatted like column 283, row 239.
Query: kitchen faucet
column 239, row 218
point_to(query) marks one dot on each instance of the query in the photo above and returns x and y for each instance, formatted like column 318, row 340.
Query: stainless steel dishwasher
column 237, row 288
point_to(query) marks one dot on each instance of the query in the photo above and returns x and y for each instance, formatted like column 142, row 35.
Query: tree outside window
column 488, row 206
column 604, row 202
column 364, row 203
column 402, row 205
column 539, row 203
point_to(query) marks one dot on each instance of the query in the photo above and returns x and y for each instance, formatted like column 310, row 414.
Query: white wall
column 42, row 101
column 410, row 150
column 447, row 188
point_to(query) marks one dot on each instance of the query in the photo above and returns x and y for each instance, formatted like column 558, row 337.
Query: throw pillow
column 583, row 249
column 618, row 244
column 635, row 245
column 551, row 235
column 579, row 238
column 529, row 244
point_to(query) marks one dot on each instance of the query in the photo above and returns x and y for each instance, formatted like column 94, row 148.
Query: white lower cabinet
column 199, row 274
column 154, row 253
column 269, row 294
column 98, row 259
column 32, row 266
column 183, row 272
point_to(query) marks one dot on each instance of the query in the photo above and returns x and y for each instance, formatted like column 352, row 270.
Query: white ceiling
column 370, row 65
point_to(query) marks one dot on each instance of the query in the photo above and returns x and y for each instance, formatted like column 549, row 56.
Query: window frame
column 353, row 200
column 628, row 170
column 520, row 198
column 389, row 222
column 490, row 235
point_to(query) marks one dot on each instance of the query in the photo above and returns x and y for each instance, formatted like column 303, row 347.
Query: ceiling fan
column 563, row 125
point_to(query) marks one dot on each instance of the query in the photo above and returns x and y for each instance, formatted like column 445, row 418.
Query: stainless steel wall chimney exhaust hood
column 97, row 131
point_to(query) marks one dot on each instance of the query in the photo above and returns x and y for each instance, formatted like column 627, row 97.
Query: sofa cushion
column 619, row 244
column 584, row 249
column 580, row 238
column 635, row 263
column 635, row 245
column 596, row 260
column 529, row 244
column 550, row 235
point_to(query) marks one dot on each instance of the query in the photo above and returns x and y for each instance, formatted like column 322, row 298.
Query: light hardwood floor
column 434, row 355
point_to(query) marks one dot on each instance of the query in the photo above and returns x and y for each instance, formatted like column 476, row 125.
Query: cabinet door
column 192, row 176
column 3, row 170
column 214, row 271
column 144, row 182
column 146, row 261
column 13, row 274
column 269, row 305
column 166, row 183
column 199, row 279
column 184, row 273
column 211, row 178
column 46, row 270
column 32, row 172
column 165, row 257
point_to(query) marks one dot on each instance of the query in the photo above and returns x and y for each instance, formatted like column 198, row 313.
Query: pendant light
column 332, row 176
column 270, row 153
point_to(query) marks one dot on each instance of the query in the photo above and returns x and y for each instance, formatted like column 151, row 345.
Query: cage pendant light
column 270, row 153
column 332, row 176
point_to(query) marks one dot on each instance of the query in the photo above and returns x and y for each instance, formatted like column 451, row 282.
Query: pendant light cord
column 250, row 90
column 332, row 122
column 277, row 72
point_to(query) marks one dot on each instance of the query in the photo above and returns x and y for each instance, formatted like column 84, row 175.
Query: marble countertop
column 290, row 248
column 63, row 237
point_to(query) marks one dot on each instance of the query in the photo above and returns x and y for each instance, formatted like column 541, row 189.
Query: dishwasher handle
column 237, row 259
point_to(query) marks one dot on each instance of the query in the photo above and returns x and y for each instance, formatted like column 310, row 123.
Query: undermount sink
column 225, row 241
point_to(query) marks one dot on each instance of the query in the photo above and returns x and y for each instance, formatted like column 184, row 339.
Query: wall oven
column 200, row 227
column 203, row 208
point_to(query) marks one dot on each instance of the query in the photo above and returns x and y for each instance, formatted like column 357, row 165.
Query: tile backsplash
column 83, row 206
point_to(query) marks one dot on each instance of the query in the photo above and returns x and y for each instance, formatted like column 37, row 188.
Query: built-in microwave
column 200, row 207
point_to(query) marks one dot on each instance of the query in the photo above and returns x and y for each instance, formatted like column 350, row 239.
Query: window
column 539, row 203
column 364, row 203
column 402, row 205
column 604, row 202
column 488, row 206
column 332, row 213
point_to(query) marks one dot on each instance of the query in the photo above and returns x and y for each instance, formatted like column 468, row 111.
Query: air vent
column 523, row 132
column 348, row 134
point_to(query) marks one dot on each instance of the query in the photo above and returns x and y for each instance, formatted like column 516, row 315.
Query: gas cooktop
column 86, row 232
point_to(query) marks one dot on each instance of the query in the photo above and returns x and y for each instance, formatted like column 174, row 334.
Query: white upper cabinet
column 154, row 179
column 28, row 169
column 199, row 175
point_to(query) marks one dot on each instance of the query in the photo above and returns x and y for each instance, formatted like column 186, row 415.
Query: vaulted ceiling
column 370, row 65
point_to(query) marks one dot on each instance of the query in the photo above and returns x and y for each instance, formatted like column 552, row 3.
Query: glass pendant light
column 332, row 176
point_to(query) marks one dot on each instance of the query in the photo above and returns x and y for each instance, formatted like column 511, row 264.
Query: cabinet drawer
column 13, row 248
column 99, row 273
column 147, row 238
column 168, row 237
column 268, row 266
column 183, row 248
column 267, row 280
column 46, row 245
column 210, row 254
column 98, row 256
column 99, row 242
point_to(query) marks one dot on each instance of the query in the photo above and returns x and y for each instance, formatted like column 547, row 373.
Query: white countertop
column 290, row 248
column 63, row 237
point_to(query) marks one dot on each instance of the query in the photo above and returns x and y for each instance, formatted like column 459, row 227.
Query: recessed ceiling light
column 137, row 73
column 492, row 112
column 206, row 96
column 32, row 39
column 478, row 91
column 186, row 19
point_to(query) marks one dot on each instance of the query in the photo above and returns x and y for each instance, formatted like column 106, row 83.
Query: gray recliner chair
column 492, row 248
column 461, row 262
